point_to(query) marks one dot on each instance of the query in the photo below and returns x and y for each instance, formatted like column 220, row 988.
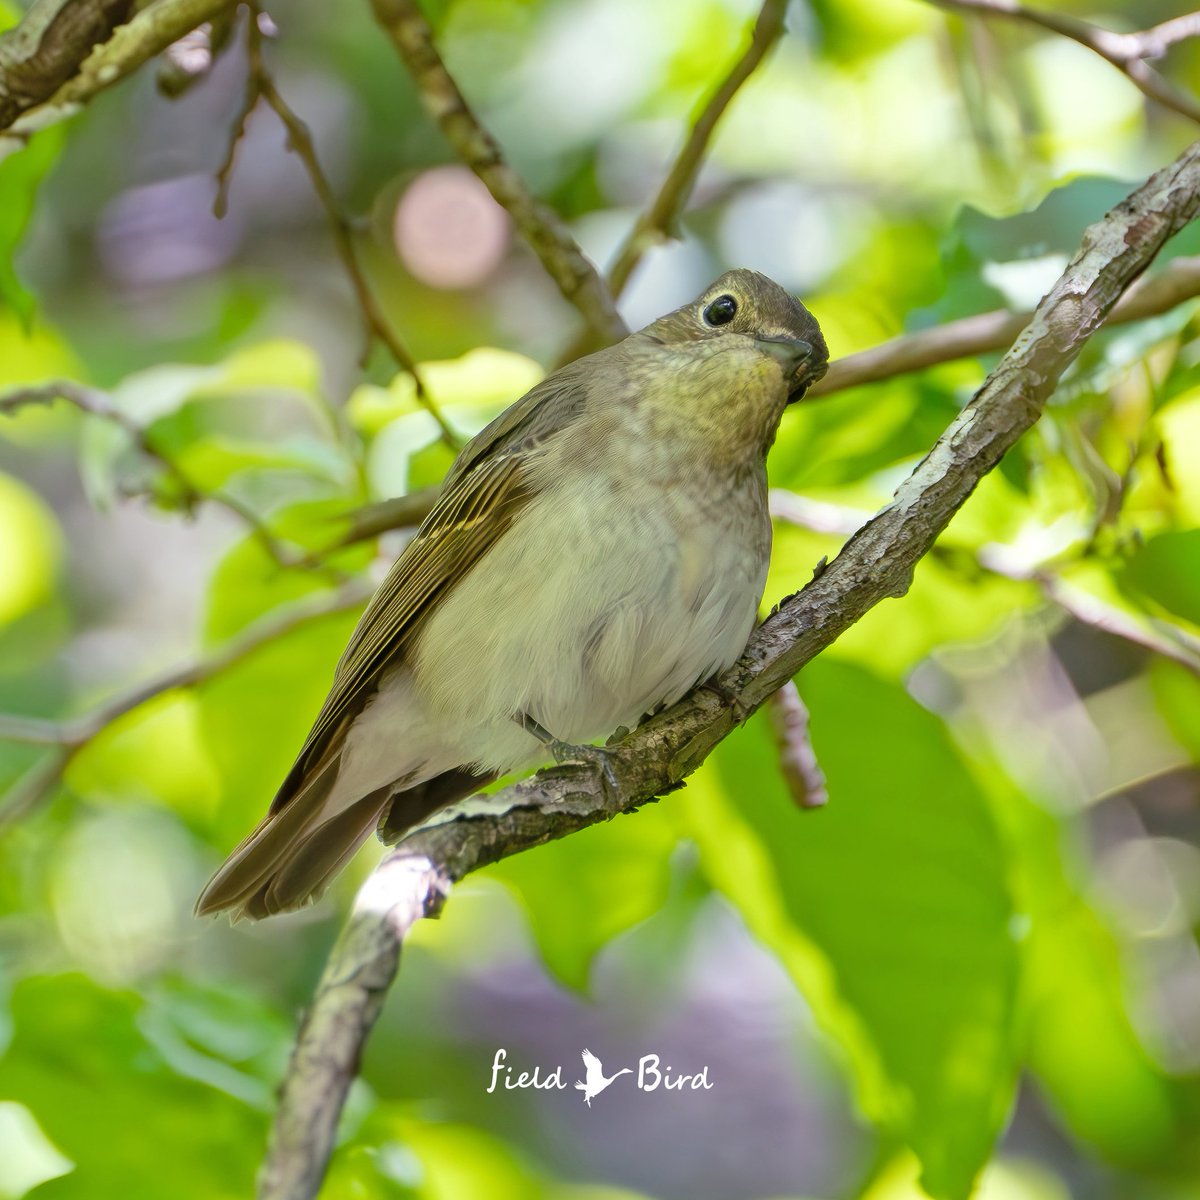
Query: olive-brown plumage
column 597, row 551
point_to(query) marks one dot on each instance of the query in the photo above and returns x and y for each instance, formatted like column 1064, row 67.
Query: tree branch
column 546, row 233
column 877, row 562
column 48, row 46
column 988, row 332
column 797, row 759
column 149, row 33
column 662, row 214
column 68, row 737
column 1125, row 51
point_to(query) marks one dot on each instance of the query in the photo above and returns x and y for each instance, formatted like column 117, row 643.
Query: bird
column 595, row 553
column 594, row 1081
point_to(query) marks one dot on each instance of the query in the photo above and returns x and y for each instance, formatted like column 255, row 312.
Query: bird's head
column 745, row 307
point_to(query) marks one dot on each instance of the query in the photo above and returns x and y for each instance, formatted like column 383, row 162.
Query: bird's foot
column 566, row 753
column 741, row 714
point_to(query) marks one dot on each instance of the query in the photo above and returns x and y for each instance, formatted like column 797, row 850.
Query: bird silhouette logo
column 594, row 1081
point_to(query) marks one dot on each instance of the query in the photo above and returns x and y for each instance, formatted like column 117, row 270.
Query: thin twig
column 544, row 230
column 876, row 563
column 96, row 403
column 71, row 735
column 659, row 220
column 987, row 332
column 1127, row 52
column 261, row 85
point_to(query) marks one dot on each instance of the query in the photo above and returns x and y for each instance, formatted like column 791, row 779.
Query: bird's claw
column 565, row 753
column 741, row 714
column 590, row 756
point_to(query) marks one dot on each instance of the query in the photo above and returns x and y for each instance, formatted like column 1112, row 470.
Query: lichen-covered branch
column 148, row 33
column 46, row 48
column 544, row 230
column 876, row 563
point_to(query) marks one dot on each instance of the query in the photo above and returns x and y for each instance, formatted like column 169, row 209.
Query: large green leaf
column 1167, row 570
column 108, row 1099
column 890, row 908
column 21, row 174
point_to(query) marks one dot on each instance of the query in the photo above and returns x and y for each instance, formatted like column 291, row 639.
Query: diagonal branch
column 987, row 332
column 48, row 46
column 1158, row 636
column 150, row 32
column 1127, row 52
column 877, row 562
column 544, row 230
column 662, row 214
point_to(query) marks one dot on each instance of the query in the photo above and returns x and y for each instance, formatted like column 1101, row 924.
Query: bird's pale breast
column 617, row 607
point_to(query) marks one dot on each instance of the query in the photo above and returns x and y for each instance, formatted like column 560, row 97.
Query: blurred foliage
column 978, row 964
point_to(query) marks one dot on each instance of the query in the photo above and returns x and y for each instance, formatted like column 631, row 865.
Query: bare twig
column 797, row 759
column 1127, row 52
column 68, row 737
column 1160, row 637
column 876, row 563
column 150, row 32
column 987, row 332
column 260, row 84
column 546, row 233
column 661, row 216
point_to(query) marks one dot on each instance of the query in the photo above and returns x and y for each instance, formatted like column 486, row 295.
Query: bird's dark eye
column 721, row 311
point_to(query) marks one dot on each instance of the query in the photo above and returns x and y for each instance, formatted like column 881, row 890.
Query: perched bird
column 596, row 552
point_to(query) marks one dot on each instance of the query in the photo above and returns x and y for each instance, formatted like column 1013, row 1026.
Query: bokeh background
column 988, row 936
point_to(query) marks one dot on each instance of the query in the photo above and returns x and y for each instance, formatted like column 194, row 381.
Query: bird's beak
column 801, row 366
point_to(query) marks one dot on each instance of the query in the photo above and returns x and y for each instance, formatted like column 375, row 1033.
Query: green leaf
column 104, row 1096
column 21, row 173
column 1167, row 570
column 1083, row 1048
column 218, row 421
column 890, row 908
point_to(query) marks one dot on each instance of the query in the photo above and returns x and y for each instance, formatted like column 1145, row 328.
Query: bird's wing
column 469, row 517
column 590, row 1060
column 523, row 425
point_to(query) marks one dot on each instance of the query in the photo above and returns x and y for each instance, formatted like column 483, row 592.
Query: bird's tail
column 293, row 853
